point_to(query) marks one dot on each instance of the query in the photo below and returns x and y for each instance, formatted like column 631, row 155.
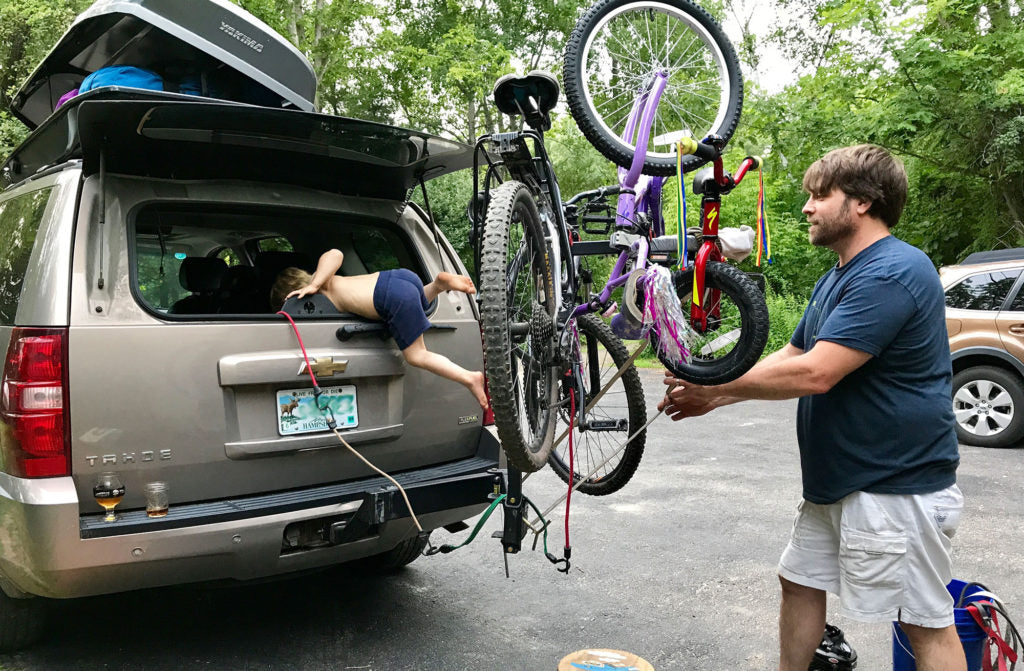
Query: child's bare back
column 397, row 297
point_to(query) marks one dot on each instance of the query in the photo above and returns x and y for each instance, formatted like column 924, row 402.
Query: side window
column 158, row 271
column 279, row 244
column 228, row 256
column 19, row 221
column 984, row 291
column 1017, row 304
column 376, row 249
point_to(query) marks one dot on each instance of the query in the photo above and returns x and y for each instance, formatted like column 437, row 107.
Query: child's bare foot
column 452, row 282
column 476, row 385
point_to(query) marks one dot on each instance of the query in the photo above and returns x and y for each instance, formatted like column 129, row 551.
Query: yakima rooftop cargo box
column 236, row 55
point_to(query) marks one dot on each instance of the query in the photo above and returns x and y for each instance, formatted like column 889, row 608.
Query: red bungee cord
column 572, row 469
column 295, row 328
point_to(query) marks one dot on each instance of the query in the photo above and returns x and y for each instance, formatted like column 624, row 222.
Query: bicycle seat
column 533, row 96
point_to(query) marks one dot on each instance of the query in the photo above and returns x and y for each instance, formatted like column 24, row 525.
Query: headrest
column 239, row 277
column 202, row 274
column 269, row 264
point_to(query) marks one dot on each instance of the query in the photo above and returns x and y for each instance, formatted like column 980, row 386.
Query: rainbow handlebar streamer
column 764, row 237
column 680, row 210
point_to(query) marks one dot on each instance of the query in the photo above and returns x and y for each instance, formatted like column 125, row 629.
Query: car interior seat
column 240, row 293
column 269, row 264
column 203, row 277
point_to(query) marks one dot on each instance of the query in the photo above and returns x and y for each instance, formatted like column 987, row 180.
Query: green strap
column 479, row 525
column 445, row 549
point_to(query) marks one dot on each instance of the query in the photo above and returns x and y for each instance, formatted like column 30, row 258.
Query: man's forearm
column 787, row 352
column 775, row 382
column 795, row 373
column 729, row 396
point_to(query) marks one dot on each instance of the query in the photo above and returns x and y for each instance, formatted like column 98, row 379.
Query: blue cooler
column 972, row 637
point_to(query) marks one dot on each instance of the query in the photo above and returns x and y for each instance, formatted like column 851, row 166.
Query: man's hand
column 304, row 291
column 687, row 399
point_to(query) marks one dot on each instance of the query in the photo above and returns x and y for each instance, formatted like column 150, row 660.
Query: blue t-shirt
column 887, row 427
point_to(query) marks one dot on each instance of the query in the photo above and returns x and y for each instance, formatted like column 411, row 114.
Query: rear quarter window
column 19, row 222
column 984, row 291
column 377, row 250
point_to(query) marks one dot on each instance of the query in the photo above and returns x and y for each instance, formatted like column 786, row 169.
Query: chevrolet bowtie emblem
column 324, row 367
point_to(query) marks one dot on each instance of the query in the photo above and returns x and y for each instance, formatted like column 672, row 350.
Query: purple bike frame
column 647, row 197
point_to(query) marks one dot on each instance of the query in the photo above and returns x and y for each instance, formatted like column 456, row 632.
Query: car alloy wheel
column 988, row 404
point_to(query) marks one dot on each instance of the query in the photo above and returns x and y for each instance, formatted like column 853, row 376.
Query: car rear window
column 984, row 291
column 190, row 261
column 19, row 221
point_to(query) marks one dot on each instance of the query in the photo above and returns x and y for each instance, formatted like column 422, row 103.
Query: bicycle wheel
column 618, row 414
column 613, row 53
column 734, row 337
column 517, row 306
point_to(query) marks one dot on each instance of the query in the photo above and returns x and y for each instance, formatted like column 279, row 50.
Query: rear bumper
column 48, row 549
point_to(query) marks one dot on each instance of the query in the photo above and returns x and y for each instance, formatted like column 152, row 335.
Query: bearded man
column 870, row 364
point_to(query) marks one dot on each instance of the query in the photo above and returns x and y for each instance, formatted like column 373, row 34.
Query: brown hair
column 866, row 172
column 288, row 280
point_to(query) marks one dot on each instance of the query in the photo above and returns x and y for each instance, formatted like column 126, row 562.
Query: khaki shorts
column 887, row 556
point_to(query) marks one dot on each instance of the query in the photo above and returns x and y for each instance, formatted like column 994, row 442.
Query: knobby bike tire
column 595, row 333
column 602, row 129
column 742, row 293
column 523, row 410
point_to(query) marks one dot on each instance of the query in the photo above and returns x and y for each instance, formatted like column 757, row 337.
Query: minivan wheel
column 22, row 622
column 988, row 403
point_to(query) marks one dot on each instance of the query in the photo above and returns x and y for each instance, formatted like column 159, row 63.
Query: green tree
column 938, row 82
column 27, row 32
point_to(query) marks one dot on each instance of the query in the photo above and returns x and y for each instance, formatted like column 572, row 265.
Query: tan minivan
column 985, row 321
column 142, row 230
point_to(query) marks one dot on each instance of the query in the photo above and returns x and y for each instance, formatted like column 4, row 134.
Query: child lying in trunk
column 397, row 297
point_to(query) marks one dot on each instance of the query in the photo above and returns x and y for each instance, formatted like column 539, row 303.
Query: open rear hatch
column 167, row 136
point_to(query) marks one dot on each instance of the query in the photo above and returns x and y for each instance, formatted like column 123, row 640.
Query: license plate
column 297, row 411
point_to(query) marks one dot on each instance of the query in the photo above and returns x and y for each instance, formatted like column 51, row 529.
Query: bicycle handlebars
column 706, row 151
column 712, row 151
column 596, row 193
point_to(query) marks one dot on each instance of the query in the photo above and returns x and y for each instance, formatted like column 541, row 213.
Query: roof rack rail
column 1014, row 254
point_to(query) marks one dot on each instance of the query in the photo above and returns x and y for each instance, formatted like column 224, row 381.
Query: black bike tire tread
column 755, row 328
column 634, row 451
column 572, row 80
column 496, row 338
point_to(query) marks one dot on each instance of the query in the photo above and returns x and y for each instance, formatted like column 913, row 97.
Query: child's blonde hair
column 288, row 280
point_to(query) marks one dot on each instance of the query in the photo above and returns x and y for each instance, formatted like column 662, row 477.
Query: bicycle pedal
column 608, row 425
column 612, row 309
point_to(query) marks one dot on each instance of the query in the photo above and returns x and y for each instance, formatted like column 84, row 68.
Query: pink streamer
column 664, row 316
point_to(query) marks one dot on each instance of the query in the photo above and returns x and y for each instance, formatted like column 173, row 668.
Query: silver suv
column 142, row 231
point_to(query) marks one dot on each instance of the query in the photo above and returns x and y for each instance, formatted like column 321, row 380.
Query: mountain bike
column 543, row 346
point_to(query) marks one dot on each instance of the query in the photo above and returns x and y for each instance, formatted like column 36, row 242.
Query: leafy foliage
column 938, row 82
column 28, row 29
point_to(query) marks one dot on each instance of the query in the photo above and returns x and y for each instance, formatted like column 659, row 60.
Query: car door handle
column 1016, row 329
column 349, row 331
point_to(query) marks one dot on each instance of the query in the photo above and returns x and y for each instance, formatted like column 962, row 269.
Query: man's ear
column 861, row 207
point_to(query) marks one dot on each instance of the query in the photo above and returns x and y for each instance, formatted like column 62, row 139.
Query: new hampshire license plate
column 297, row 411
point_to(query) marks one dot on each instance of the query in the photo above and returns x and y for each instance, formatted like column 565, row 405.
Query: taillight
column 34, row 437
column 489, row 412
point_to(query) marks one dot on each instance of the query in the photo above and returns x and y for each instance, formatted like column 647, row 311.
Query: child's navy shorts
column 399, row 300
